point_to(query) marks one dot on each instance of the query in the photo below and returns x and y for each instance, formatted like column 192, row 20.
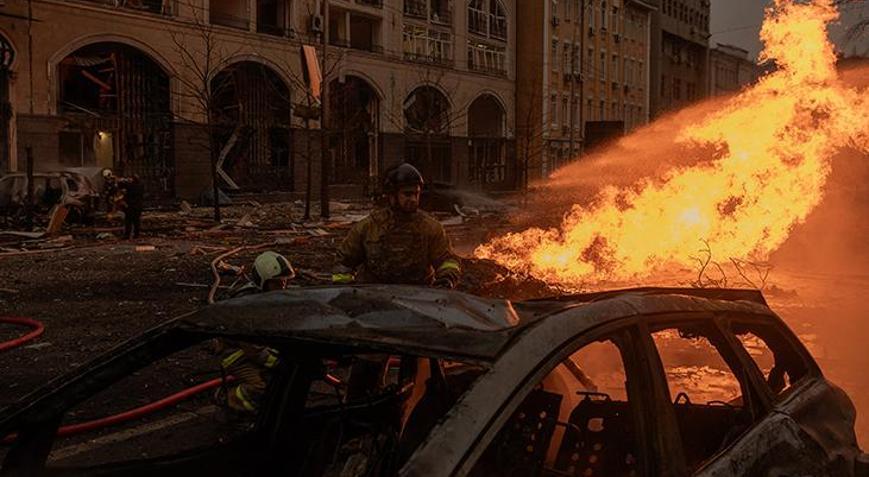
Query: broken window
column 487, row 147
column 116, row 94
column 222, row 412
column 577, row 421
column 709, row 396
column 229, row 13
column 271, row 17
column 355, row 111
column 370, row 412
column 427, row 44
column 252, row 116
column 487, row 58
column 773, row 353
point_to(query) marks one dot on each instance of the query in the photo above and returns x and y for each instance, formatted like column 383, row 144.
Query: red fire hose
column 125, row 416
column 132, row 414
column 121, row 417
column 37, row 329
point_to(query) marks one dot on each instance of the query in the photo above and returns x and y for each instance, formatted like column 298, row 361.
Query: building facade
column 730, row 70
column 162, row 88
column 584, row 77
column 680, row 54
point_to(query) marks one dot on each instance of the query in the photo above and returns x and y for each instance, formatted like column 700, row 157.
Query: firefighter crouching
column 398, row 244
column 251, row 365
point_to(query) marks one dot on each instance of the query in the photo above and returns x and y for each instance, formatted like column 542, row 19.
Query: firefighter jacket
column 395, row 248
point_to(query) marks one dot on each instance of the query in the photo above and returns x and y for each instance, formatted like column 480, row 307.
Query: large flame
column 772, row 146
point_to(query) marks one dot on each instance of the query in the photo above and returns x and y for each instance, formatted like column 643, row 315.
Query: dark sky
column 737, row 22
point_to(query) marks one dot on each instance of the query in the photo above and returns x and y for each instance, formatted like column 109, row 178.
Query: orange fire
column 772, row 147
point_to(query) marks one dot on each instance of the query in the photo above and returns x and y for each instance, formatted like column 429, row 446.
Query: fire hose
column 37, row 330
column 123, row 416
column 132, row 414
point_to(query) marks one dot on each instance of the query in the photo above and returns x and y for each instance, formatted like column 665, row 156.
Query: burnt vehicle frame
column 809, row 427
column 76, row 192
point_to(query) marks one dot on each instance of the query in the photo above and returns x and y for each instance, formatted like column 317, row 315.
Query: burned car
column 394, row 380
column 71, row 189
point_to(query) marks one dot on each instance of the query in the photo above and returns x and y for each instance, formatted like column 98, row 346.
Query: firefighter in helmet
column 250, row 364
column 398, row 244
column 271, row 271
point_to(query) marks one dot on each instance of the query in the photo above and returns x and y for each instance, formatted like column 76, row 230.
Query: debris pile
column 488, row 279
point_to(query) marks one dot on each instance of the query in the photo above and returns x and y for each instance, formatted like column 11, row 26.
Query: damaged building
column 164, row 89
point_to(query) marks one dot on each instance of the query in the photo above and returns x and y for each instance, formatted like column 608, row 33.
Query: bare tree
column 310, row 108
column 200, row 54
column 427, row 116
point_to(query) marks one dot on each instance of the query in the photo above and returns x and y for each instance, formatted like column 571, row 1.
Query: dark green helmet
column 402, row 175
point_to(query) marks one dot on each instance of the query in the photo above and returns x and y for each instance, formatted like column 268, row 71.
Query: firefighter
column 398, row 244
column 111, row 193
column 134, row 201
column 271, row 271
column 250, row 364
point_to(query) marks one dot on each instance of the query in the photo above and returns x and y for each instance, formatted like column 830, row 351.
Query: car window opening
column 577, row 421
column 775, row 357
column 363, row 413
column 708, row 397
column 367, row 414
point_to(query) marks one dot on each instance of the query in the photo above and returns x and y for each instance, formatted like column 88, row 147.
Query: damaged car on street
column 397, row 380
column 72, row 191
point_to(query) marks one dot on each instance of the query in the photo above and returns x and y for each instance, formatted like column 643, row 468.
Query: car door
column 56, row 434
column 581, row 412
column 724, row 421
column 810, row 424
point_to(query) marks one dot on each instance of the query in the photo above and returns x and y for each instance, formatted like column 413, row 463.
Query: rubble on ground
column 488, row 279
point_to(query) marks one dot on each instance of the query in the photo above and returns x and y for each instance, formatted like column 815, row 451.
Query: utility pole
column 325, row 169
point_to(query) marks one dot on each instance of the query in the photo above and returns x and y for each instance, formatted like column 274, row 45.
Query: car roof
column 440, row 322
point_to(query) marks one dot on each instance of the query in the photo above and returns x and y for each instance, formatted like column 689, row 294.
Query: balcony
column 489, row 70
column 370, row 3
column 428, row 59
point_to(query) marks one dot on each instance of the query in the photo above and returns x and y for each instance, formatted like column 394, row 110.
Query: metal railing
column 429, row 59
column 496, row 71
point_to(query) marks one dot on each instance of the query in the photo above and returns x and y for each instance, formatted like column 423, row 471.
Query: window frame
column 45, row 414
column 813, row 371
column 756, row 399
column 628, row 338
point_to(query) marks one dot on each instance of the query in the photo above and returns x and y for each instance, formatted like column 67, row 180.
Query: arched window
column 478, row 18
column 487, row 18
column 497, row 20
